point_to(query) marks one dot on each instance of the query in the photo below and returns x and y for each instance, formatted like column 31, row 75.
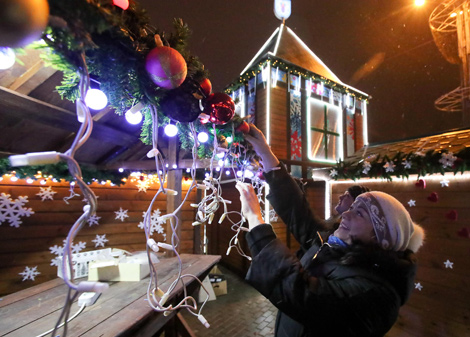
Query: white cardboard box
column 131, row 268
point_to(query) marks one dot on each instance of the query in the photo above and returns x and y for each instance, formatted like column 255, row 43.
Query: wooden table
column 120, row 311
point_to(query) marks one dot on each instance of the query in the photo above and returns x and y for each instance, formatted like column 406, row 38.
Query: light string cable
column 157, row 297
column 239, row 160
column 210, row 203
column 84, row 116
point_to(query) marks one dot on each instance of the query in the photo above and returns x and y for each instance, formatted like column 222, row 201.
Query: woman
column 349, row 283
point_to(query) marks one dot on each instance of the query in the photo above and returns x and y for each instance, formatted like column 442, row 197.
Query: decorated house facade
column 309, row 116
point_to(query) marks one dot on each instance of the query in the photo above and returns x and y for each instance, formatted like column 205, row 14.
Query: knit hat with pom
column 392, row 223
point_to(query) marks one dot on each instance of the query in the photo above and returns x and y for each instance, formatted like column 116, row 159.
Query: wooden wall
column 442, row 307
column 28, row 245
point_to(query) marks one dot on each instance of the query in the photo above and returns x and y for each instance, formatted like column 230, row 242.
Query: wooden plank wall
column 442, row 307
column 29, row 244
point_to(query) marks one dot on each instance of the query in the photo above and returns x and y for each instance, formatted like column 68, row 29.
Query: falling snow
column 12, row 210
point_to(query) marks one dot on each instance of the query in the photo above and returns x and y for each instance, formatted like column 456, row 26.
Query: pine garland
column 60, row 171
column 115, row 43
column 401, row 165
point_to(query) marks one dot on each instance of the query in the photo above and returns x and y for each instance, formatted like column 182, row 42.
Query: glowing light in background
column 7, row 58
column 202, row 137
column 419, row 2
column 133, row 117
column 171, row 130
column 96, row 99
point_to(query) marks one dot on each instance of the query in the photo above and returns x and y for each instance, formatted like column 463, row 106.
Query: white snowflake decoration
column 418, row 286
column 46, row 193
column 57, row 250
column 412, row 203
column 56, row 261
column 78, row 247
column 143, row 186
column 333, row 173
column 156, row 222
column 100, row 240
column 406, row 164
column 366, row 167
column 93, row 220
column 389, row 166
column 444, row 183
column 121, row 214
column 449, row 264
column 447, row 159
column 29, row 273
column 12, row 210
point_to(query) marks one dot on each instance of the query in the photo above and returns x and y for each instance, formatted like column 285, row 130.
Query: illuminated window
column 324, row 122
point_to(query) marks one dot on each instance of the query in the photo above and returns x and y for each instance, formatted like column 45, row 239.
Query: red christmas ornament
column 433, row 197
column 22, row 21
column 421, row 183
column 452, row 215
column 124, row 4
column 165, row 65
column 220, row 107
column 243, row 127
column 206, row 86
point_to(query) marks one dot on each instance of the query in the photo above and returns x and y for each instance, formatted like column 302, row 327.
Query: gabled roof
column 286, row 45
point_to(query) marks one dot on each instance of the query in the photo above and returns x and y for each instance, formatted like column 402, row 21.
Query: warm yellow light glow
column 419, row 2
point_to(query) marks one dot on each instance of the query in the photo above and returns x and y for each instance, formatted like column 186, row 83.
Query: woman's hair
column 356, row 190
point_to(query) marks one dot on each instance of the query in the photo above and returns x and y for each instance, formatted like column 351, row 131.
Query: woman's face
column 356, row 225
column 345, row 201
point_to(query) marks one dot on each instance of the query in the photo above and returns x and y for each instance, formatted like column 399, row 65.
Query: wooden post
column 174, row 182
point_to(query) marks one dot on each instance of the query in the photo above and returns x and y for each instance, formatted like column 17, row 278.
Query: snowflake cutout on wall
column 29, row 273
column 121, row 214
column 412, row 203
column 447, row 159
column 59, row 251
column 100, row 240
column 93, row 220
column 449, row 264
column 366, row 167
column 418, row 286
column 156, row 222
column 389, row 166
column 46, row 193
column 12, row 210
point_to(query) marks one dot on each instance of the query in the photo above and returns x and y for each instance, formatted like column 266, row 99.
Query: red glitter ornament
column 206, row 86
column 243, row 127
column 124, row 4
column 220, row 107
column 165, row 65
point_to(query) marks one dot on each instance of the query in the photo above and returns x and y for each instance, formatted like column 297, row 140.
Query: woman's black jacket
column 324, row 290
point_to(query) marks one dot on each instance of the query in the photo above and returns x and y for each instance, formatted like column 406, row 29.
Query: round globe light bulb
column 7, row 58
column 96, row 99
column 171, row 130
column 133, row 117
column 202, row 137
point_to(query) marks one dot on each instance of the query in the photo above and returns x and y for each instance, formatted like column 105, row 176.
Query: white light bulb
column 96, row 99
column 133, row 117
column 229, row 139
column 220, row 163
column 175, row 166
column 188, row 170
column 13, row 178
column 239, row 173
column 217, row 169
column 43, row 182
column 7, row 58
column 171, row 130
column 249, row 174
column 202, row 137
column 220, row 155
column 121, row 170
column 29, row 181
column 227, row 172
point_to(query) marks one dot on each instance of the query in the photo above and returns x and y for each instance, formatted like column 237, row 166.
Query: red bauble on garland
column 243, row 127
column 220, row 107
column 165, row 65
column 22, row 21
column 206, row 86
column 124, row 4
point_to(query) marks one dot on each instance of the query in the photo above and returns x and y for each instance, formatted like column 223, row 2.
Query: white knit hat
column 392, row 223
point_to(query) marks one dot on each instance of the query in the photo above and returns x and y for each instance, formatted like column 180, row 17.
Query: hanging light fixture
column 96, row 99
column 171, row 130
column 202, row 137
column 133, row 115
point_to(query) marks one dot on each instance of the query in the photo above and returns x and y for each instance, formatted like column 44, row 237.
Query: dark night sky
column 409, row 72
